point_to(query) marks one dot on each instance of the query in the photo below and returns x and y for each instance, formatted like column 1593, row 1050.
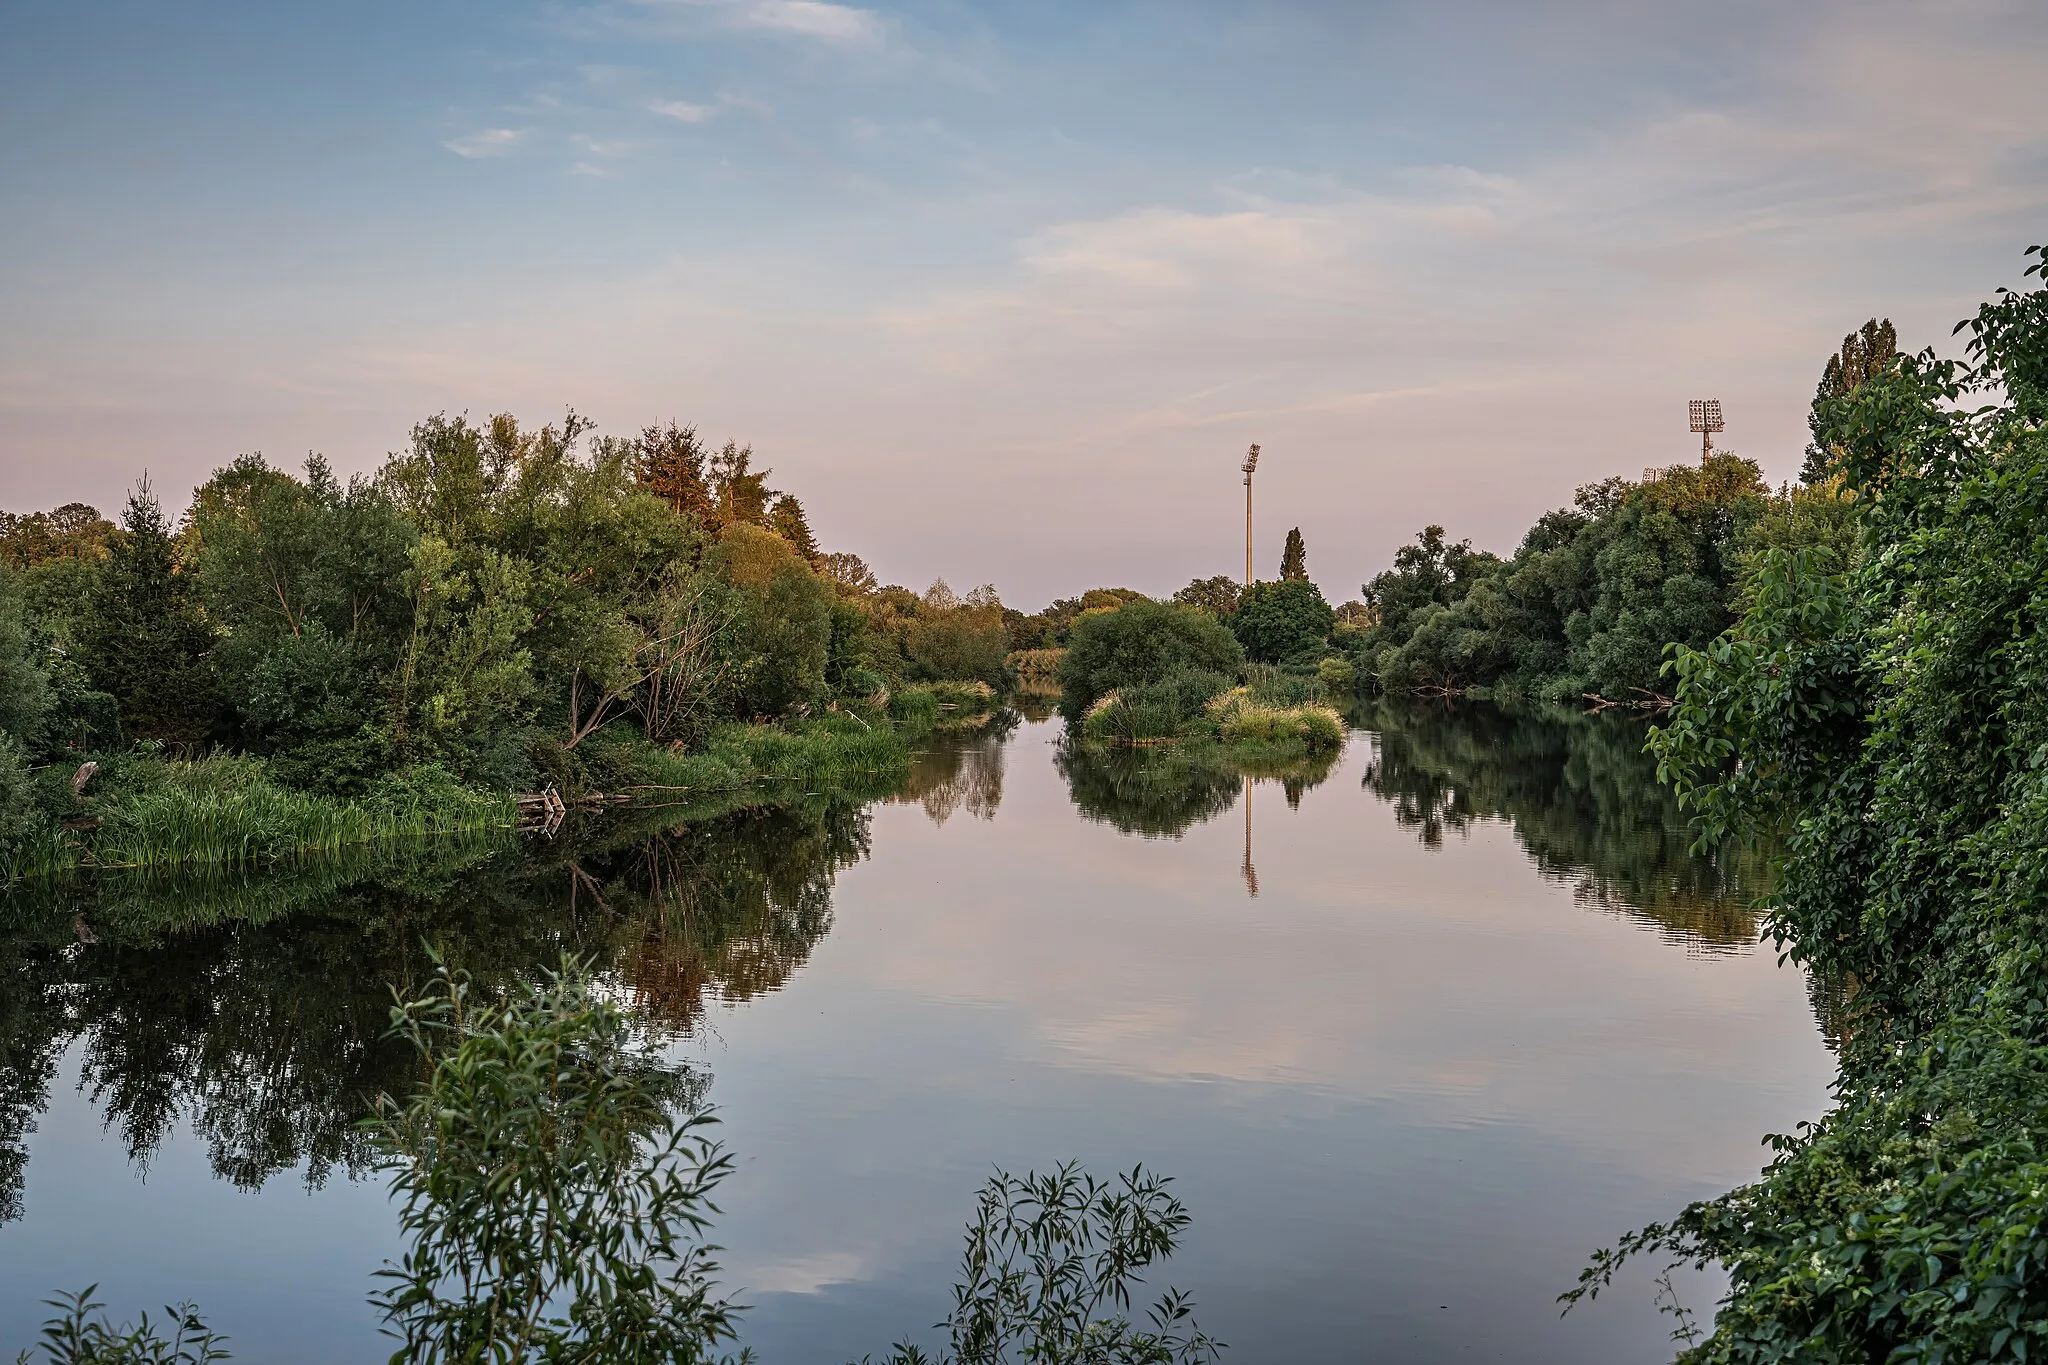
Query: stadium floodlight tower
column 1706, row 420
column 1251, row 462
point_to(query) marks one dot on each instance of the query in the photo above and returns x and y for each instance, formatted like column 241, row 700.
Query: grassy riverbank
column 144, row 811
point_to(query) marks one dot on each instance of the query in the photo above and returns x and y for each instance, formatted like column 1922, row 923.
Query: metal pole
column 1251, row 462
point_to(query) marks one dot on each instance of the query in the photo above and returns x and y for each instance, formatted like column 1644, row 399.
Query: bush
column 1240, row 719
column 1141, row 642
column 1282, row 622
column 1336, row 674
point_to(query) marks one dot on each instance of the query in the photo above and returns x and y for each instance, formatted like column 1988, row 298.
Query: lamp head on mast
column 1251, row 462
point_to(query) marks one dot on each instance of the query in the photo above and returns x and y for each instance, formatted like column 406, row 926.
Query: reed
column 227, row 812
column 834, row 752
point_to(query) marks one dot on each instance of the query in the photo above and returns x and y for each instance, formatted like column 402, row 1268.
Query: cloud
column 845, row 25
column 487, row 142
column 810, row 19
column 682, row 111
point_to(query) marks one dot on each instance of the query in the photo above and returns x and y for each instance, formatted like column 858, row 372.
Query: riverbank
column 140, row 811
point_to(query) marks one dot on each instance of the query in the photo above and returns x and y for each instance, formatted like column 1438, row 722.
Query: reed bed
column 833, row 752
column 258, row 822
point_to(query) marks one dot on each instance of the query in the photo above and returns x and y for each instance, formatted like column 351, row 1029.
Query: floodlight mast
column 1251, row 462
column 1706, row 420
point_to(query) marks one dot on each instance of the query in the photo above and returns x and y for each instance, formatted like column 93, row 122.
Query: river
column 1415, row 1031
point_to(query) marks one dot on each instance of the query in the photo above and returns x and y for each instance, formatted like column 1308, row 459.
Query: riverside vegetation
column 1885, row 710
column 555, row 1176
column 299, row 665
column 1847, row 670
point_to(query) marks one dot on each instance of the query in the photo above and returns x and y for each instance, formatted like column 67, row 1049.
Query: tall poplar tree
column 1294, row 558
column 1869, row 351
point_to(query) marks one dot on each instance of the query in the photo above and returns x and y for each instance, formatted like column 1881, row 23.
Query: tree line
column 498, row 607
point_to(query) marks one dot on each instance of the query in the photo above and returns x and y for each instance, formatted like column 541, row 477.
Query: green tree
column 739, row 493
column 1141, row 642
column 1217, row 595
column 958, row 638
column 783, row 637
column 669, row 462
column 1889, row 719
column 146, row 641
column 1294, row 558
column 1869, row 351
column 786, row 519
column 1282, row 622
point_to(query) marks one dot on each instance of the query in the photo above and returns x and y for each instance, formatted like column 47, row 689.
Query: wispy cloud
column 486, row 142
column 810, row 19
column 682, row 111
column 821, row 20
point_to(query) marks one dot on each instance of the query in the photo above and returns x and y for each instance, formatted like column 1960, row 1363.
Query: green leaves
column 1891, row 715
column 1048, row 1269
column 552, row 1184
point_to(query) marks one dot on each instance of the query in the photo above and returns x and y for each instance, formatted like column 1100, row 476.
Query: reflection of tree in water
column 959, row 767
column 1162, row 791
column 1583, row 799
column 256, row 1010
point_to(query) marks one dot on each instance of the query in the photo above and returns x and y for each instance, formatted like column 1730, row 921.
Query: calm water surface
column 1415, row 1033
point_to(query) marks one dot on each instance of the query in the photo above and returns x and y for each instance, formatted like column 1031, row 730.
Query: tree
column 847, row 572
column 958, row 638
column 146, row 642
column 1142, row 642
column 739, row 494
column 1294, row 558
column 1217, row 595
column 73, row 531
column 1886, row 721
column 668, row 461
column 1282, row 622
column 1869, row 351
column 783, row 635
column 786, row 519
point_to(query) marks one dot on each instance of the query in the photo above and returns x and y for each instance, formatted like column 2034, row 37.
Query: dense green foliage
column 1891, row 716
column 552, row 1194
column 1284, row 622
column 498, row 609
column 1587, row 604
column 1141, row 642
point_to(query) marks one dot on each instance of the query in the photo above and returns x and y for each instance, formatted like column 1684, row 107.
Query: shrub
column 1336, row 674
column 552, row 1182
column 1141, row 642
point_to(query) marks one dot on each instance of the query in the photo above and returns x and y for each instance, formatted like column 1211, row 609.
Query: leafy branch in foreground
column 554, row 1181
column 80, row 1335
column 1048, row 1271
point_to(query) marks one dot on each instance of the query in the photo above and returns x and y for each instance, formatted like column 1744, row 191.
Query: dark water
column 1416, row 1030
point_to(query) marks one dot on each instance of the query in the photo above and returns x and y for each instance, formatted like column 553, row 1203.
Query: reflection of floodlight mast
column 1251, row 462
column 1706, row 420
column 1251, row 874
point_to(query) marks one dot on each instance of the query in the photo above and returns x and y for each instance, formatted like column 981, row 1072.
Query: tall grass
column 227, row 812
column 833, row 752
column 212, row 819
column 1242, row 719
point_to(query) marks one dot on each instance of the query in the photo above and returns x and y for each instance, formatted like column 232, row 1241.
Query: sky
column 1001, row 291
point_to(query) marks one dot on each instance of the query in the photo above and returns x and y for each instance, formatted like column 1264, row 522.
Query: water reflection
column 255, row 1010
column 961, row 767
column 1582, row 798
